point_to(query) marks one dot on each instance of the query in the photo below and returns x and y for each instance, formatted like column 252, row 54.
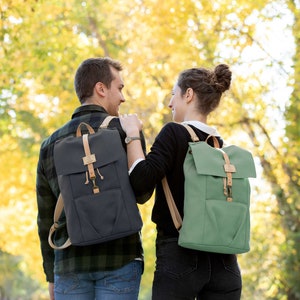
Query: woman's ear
column 189, row 95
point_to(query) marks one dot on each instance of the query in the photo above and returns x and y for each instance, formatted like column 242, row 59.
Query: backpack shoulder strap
column 57, row 212
column 176, row 217
column 195, row 138
column 106, row 121
column 192, row 133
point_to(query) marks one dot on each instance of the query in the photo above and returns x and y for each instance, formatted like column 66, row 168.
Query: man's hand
column 51, row 290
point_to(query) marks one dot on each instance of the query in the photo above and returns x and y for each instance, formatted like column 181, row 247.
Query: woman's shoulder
column 174, row 126
column 180, row 132
column 170, row 135
column 174, row 129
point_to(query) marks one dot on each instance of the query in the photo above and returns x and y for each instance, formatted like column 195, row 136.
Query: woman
column 182, row 273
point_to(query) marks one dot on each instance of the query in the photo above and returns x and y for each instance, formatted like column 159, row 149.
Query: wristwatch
column 129, row 139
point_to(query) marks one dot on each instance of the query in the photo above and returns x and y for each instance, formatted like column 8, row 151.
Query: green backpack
column 217, row 198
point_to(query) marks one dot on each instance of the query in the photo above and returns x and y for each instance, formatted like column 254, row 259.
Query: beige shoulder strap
column 176, row 217
column 57, row 212
column 106, row 121
column 192, row 133
column 195, row 138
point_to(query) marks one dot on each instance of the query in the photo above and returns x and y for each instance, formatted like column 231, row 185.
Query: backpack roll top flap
column 71, row 164
column 240, row 158
column 217, row 199
column 243, row 159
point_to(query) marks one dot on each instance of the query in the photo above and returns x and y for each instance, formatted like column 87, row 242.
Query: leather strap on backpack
column 215, row 141
column 89, row 158
column 106, row 121
column 227, row 181
column 192, row 133
column 57, row 212
column 176, row 217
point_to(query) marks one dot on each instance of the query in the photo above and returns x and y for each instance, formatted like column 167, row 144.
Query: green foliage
column 14, row 283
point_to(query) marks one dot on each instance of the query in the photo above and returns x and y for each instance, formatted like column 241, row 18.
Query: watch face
column 128, row 139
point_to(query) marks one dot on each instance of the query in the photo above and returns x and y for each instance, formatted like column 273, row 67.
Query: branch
column 94, row 29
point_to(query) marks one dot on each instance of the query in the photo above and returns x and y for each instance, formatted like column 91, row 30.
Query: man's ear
column 100, row 89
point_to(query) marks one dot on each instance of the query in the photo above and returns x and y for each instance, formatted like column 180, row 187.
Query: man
column 110, row 270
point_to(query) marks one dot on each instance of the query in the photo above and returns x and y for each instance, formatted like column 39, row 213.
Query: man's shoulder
column 67, row 129
column 93, row 118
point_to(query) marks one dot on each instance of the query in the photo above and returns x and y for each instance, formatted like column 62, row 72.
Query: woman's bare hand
column 131, row 124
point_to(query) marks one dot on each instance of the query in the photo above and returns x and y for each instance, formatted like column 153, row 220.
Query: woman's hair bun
column 221, row 77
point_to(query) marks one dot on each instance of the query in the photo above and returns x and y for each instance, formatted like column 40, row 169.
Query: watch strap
column 129, row 139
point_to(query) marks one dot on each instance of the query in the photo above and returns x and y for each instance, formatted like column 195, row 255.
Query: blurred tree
column 287, row 190
column 14, row 283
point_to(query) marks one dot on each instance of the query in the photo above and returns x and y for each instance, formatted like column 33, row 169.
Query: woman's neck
column 195, row 117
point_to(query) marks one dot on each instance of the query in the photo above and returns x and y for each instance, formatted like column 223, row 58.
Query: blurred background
column 43, row 42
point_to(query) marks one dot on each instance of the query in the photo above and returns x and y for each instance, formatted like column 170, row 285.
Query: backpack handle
column 89, row 128
column 215, row 140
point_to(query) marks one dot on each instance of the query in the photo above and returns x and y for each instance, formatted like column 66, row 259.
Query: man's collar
column 87, row 108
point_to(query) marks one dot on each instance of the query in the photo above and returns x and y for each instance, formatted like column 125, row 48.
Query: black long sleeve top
column 166, row 158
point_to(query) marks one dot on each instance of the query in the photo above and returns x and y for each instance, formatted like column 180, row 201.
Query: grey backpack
column 95, row 192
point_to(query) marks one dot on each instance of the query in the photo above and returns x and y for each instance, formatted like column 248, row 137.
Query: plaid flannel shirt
column 100, row 257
